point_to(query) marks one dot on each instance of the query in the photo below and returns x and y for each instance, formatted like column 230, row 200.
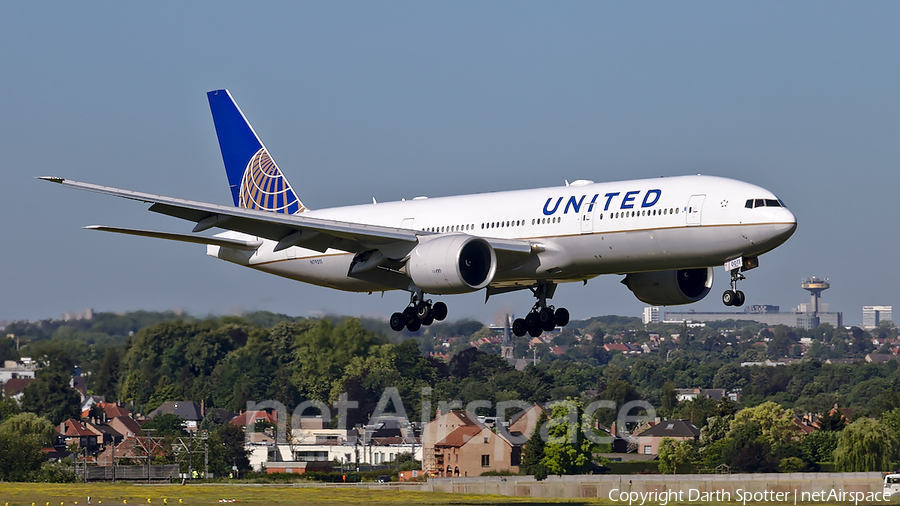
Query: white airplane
column 664, row 235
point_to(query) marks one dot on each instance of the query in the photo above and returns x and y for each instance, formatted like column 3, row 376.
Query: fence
column 128, row 473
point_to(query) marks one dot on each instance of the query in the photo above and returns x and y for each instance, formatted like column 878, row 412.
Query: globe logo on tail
column 265, row 188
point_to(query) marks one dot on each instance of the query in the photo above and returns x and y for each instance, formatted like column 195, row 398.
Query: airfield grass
column 43, row 494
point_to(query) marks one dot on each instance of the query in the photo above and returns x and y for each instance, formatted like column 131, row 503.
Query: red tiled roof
column 74, row 428
column 460, row 436
column 15, row 385
column 248, row 417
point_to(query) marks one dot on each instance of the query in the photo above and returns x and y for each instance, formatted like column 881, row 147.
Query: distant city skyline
column 363, row 100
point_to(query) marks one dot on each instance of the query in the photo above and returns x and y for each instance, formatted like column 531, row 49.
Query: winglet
column 52, row 179
column 255, row 180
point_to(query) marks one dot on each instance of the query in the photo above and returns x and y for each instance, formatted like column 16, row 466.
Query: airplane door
column 587, row 220
column 694, row 210
column 407, row 223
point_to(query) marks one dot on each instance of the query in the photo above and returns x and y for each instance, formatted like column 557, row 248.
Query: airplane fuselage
column 583, row 230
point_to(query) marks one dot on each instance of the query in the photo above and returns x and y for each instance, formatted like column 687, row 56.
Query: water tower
column 815, row 287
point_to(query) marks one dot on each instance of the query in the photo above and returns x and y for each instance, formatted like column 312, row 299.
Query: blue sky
column 398, row 99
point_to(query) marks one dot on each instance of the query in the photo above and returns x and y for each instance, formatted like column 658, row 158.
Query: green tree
column 104, row 382
column 135, row 388
column 8, row 407
column 229, row 439
column 533, row 452
column 819, row 446
column 29, row 426
column 167, row 424
column 669, row 398
column 834, row 421
column 673, row 454
column 776, row 424
column 865, row 445
column 165, row 391
column 51, row 396
column 566, row 451
column 21, row 439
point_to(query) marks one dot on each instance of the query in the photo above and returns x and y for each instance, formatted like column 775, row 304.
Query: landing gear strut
column 542, row 318
column 419, row 312
column 734, row 297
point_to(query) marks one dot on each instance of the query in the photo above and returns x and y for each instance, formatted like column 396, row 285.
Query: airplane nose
column 785, row 225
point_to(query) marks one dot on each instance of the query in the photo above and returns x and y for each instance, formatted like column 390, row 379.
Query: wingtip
column 53, row 179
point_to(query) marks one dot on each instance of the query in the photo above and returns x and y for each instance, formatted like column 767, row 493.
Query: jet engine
column 670, row 288
column 455, row 263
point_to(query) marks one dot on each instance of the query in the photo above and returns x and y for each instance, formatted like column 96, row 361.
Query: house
column 257, row 425
column 125, row 425
column 616, row 347
column 679, row 430
column 255, row 417
column 457, row 444
column 525, row 422
column 880, row 358
column 13, row 387
column 131, row 450
column 690, row 394
column 186, row 410
column 78, row 432
column 107, row 410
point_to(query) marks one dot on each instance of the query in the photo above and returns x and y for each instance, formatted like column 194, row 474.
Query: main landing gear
column 734, row 297
column 419, row 312
column 542, row 318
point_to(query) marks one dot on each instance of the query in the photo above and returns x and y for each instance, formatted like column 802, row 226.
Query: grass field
column 41, row 494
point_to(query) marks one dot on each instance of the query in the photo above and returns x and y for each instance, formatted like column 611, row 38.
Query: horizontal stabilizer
column 196, row 239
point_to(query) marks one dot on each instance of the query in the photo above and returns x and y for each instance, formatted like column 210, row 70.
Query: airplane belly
column 663, row 249
column 325, row 270
column 328, row 270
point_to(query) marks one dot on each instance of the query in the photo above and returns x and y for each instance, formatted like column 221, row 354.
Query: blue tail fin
column 256, row 181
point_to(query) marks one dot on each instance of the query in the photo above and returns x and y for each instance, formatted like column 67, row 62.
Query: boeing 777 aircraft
column 664, row 235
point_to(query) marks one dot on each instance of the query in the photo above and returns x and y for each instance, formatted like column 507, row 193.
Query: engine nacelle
column 670, row 288
column 456, row 263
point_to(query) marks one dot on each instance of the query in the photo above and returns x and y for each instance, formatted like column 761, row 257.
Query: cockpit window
column 751, row 203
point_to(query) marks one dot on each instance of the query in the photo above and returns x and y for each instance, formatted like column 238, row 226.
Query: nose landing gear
column 542, row 318
column 734, row 297
column 419, row 312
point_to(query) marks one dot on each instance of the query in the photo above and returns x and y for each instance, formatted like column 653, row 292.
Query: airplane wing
column 286, row 229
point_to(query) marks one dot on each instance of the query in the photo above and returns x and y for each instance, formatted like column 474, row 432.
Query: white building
column 11, row 369
column 651, row 315
column 874, row 315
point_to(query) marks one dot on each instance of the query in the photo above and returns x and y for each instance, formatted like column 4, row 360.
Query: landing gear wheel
column 413, row 325
column 423, row 312
column 728, row 298
column 561, row 317
column 428, row 321
column 739, row 298
column 398, row 321
column 545, row 316
column 410, row 314
column 534, row 325
column 439, row 310
column 519, row 328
